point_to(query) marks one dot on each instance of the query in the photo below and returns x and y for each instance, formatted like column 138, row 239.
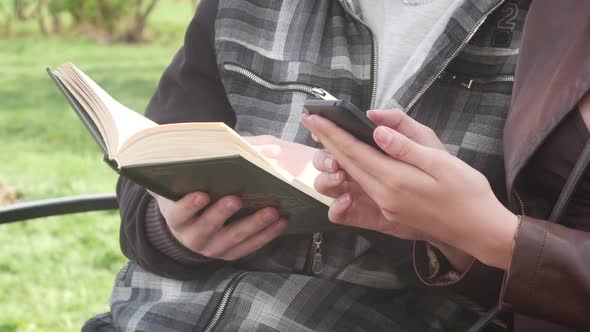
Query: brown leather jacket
column 549, row 275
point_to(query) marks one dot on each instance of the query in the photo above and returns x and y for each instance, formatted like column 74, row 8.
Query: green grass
column 57, row 272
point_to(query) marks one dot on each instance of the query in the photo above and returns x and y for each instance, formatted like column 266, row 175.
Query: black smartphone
column 346, row 116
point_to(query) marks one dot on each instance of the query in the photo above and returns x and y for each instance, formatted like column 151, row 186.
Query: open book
column 173, row 160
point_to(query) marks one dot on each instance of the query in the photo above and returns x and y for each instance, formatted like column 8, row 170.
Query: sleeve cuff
column 159, row 235
column 432, row 267
column 548, row 276
column 478, row 286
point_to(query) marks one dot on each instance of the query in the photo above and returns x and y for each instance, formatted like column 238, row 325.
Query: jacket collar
column 553, row 74
column 466, row 19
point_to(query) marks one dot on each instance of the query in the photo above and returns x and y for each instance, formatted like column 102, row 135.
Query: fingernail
column 232, row 205
column 304, row 116
column 383, row 135
column 280, row 226
column 375, row 111
column 270, row 215
column 329, row 164
column 199, row 200
column 344, row 200
column 307, row 118
column 335, row 177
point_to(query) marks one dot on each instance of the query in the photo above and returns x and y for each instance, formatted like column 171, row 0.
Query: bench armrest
column 57, row 206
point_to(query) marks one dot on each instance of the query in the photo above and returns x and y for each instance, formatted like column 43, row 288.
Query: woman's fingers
column 405, row 125
column 404, row 149
column 370, row 168
column 323, row 161
column 391, row 118
column 339, row 208
column 344, row 147
column 331, row 184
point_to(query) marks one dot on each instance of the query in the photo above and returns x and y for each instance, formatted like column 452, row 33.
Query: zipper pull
column 322, row 94
column 316, row 264
column 467, row 85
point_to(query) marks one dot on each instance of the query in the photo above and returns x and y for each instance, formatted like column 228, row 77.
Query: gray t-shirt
column 405, row 34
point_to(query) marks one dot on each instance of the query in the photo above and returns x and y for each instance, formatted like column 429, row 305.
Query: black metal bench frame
column 57, row 206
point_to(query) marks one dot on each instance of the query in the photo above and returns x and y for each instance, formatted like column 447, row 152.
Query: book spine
column 112, row 163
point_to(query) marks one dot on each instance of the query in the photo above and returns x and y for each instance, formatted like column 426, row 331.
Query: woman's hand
column 353, row 207
column 424, row 187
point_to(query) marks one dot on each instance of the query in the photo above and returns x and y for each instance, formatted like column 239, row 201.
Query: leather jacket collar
column 553, row 74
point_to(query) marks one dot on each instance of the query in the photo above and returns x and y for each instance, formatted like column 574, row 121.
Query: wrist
column 494, row 243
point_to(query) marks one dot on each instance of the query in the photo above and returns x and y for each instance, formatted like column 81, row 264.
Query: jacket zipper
column 317, row 264
column 476, row 27
column 519, row 202
column 314, row 258
column 375, row 51
column 227, row 293
column 314, row 91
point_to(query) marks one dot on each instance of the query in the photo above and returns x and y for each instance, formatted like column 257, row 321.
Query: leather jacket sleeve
column 549, row 275
column 548, row 278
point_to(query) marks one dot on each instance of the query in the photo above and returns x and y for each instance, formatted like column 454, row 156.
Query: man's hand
column 202, row 230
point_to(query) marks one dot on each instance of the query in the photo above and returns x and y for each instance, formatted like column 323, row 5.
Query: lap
column 267, row 301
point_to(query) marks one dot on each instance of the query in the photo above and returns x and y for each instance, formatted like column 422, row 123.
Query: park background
column 57, row 272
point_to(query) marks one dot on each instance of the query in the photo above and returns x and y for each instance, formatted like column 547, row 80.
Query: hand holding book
column 175, row 160
column 201, row 226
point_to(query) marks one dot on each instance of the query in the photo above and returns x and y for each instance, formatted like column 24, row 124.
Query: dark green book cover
column 218, row 177
column 234, row 176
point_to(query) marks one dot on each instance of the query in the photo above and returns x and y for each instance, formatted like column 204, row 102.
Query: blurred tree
column 142, row 12
column 113, row 20
column 6, row 17
column 24, row 9
column 54, row 8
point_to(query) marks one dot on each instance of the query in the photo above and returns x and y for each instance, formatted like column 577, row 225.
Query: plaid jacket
column 254, row 63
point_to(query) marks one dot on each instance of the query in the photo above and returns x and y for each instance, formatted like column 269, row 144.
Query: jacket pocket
column 271, row 106
column 469, row 82
column 286, row 87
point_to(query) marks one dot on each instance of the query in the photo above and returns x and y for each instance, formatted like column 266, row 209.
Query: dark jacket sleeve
column 549, row 275
column 548, row 278
column 190, row 90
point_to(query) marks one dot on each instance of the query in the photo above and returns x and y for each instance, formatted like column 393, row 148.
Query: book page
column 86, row 102
column 126, row 121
